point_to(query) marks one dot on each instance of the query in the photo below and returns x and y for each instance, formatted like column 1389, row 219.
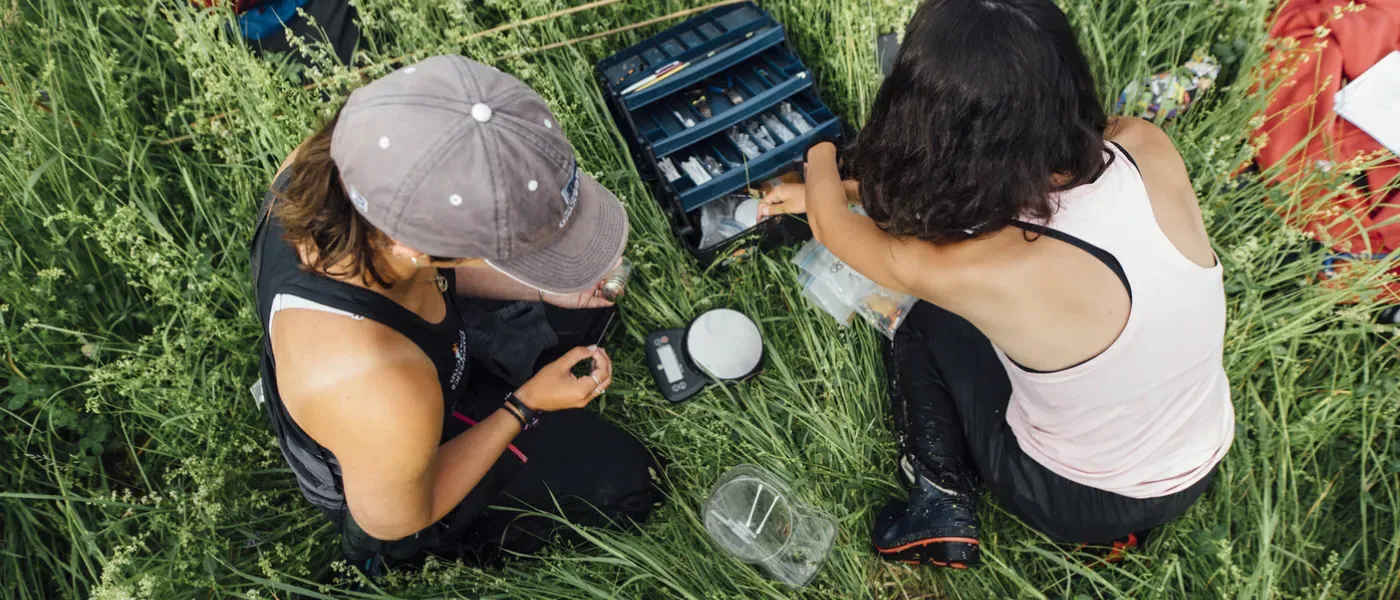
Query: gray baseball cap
column 457, row 159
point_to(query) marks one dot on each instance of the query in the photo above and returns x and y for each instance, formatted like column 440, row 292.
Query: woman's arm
column 853, row 238
column 383, row 420
column 484, row 281
column 385, row 435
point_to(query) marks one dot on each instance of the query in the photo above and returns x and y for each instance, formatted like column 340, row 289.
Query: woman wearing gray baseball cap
column 403, row 410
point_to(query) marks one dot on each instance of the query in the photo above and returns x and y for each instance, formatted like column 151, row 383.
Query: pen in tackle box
column 662, row 77
column 672, row 68
column 650, row 78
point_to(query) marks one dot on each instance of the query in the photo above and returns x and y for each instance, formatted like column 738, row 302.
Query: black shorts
column 574, row 464
column 950, row 395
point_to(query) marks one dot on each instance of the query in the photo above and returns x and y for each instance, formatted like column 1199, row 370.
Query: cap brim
column 589, row 248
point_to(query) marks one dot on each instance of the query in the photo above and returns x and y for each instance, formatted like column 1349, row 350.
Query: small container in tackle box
column 715, row 111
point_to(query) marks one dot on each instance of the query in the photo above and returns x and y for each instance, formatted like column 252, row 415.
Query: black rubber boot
column 936, row 526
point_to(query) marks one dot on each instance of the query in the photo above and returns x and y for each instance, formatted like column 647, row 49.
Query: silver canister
column 615, row 283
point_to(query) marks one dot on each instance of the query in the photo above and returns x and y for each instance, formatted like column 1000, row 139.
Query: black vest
column 277, row 270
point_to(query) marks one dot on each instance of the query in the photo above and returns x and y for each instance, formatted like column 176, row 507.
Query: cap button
column 481, row 112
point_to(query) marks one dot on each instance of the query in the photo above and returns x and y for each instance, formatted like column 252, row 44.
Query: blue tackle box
column 694, row 104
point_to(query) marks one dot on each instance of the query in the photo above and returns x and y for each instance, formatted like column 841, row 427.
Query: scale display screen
column 669, row 364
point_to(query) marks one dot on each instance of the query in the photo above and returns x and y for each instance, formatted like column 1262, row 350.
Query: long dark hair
column 989, row 102
column 316, row 212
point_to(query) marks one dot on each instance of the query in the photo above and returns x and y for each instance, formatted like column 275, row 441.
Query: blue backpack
column 267, row 17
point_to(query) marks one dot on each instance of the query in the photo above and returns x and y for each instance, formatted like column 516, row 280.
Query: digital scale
column 719, row 346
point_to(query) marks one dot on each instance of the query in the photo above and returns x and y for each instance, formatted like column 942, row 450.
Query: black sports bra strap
column 1104, row 256
column 1125, row 153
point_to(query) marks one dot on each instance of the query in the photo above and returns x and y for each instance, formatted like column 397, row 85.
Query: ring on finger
column 598, row 391
column 597, row 381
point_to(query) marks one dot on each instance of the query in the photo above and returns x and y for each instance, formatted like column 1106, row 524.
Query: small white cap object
column 724, row 343
column 747, row 213
column 481, row 112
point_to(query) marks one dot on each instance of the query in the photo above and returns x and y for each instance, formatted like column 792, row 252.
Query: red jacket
column 1335, row 42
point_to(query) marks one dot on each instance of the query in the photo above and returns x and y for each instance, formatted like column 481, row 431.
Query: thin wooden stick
column 175, row 140
column 506, row 27
column 11, row 361
column 480, row 34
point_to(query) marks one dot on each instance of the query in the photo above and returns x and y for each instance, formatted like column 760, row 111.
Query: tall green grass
column 135, row 464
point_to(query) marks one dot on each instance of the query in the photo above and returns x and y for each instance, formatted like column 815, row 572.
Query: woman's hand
column 555, row 388
column 791, row 198
column 785, row 199
column 592, row 298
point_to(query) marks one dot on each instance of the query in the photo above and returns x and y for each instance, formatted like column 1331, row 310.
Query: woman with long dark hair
column 407, row 410
column 1068, row 349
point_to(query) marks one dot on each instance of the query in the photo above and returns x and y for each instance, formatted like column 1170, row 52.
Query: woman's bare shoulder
column 1168, row 183
column 1134, row 133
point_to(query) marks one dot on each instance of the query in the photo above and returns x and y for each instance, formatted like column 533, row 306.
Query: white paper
column 1372, row 102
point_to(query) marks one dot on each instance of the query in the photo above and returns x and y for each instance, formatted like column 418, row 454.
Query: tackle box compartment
column 733, row 52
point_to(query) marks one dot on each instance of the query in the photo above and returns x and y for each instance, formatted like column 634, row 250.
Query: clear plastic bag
column 717, row 223
column 259, row 396
column 833, row 279
column 711, row 165
column 695, row 170
column 814, row 262
column 842, row 292
column 795, row 118
column 668, row 170
column 775, row 125
column 818, row 291
column 744, row 142
column 884, row 309
column 760, row 135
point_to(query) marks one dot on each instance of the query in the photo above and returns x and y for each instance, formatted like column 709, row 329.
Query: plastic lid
column 747, row 213
column 725, row 344
column 752, row 516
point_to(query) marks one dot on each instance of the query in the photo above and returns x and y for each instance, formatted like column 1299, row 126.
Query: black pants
column 950, row 394
column 576, row 465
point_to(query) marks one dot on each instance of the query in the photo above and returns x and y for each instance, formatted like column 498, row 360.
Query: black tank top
column 277, row 270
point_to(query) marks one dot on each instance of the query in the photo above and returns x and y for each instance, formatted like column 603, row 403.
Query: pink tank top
column 1151, row 415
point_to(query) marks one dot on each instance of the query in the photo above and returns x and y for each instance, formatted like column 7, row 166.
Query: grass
column 135, row 464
